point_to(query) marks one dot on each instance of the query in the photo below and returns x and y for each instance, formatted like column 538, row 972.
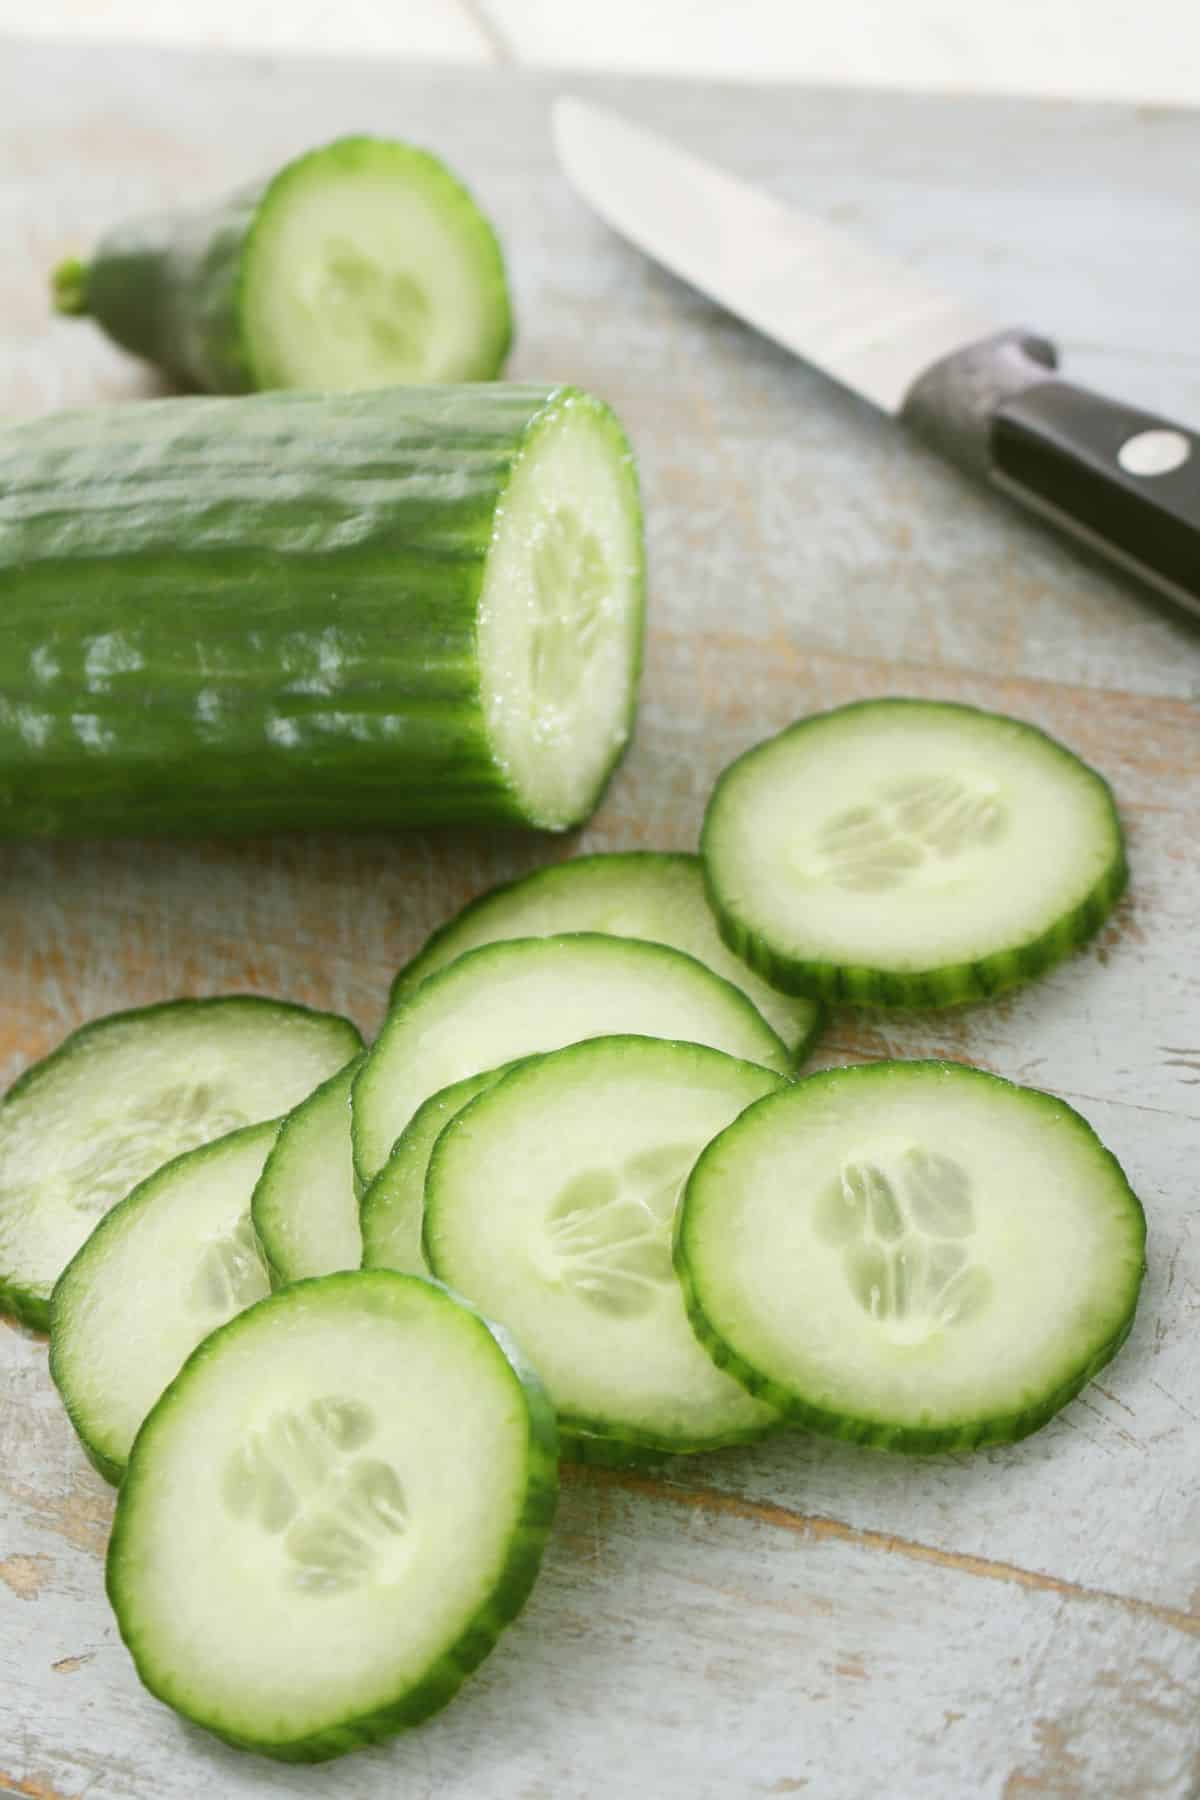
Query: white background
column 1087, row 48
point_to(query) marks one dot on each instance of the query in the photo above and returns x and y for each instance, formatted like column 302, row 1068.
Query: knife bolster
column 952, row 405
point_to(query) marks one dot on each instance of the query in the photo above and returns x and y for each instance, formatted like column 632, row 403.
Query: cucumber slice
column 305, row 1206
column 362, row 264
column 910, row 853
column 393, row 1206
column 912, row 1255
column 419, row 606
column 549, row 1202
column 169, row 1263
column 525, row 995
column 331, row 1514
column 651, row 894
column 124, row 1095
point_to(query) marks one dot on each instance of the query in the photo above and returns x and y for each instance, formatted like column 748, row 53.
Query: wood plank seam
column 823, row 1529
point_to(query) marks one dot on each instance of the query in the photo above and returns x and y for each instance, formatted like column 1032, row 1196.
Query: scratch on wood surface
column 32, row 1787
column 826, row 1530
column 82, row 1516
column 67, row 1665
column 26, row 1575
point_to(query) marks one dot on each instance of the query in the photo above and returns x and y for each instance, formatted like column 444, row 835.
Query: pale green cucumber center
column 607, row 1237
column 368, row 276
column 560, row 614
column 137, row 1136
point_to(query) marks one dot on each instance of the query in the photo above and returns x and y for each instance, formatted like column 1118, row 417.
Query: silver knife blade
column 870, row 322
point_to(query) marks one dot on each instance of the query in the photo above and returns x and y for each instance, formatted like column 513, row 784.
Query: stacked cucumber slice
column 582, row 1117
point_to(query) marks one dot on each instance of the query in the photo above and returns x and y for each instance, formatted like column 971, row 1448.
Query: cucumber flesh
column 653, row 894
column 305, row 1206
column 369, row 265
column 173, row 1261
column 525, row 995
column 910, row 853
column 393, row 1206
column 124, row 1095
column 913, row 1255
column 331, row 1514
column 550, row 1200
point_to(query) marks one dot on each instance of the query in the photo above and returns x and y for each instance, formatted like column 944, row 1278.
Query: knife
column 1125, row 482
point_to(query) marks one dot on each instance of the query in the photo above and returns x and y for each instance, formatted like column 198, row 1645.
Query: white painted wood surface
column 803, row 1617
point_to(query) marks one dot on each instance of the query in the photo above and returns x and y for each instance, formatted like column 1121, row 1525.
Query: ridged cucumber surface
column 121, row 1097
column 514, row 999
column 331, row 1515
column 305, row 1203
column 364, row 263
column 910, row 853
column 915, row 1255
column 169, row 1264
column 413, row 606
column 549, row 1203
column 652, row 894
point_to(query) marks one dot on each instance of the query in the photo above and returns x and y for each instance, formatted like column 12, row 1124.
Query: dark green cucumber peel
column 956, row 984
column 482, row 920
column 329, row 556
column 33, row 1308
column 877, row 1433
column 514, row 1580
column 178, row 288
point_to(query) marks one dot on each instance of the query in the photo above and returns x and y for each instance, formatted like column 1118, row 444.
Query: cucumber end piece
column 68, row 287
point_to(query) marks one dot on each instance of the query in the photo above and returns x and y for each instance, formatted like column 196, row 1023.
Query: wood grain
column 801, row 1617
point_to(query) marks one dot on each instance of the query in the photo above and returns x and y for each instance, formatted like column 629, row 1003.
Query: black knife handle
column 1123, row 481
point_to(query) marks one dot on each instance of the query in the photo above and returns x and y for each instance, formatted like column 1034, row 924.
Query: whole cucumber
column 365, row 263
column 392, row 608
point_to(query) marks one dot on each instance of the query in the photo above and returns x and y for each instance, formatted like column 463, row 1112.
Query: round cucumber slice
column 368, row 264
column 124, row 1095
column 653, row 894
column 913, row 1255
column 549, row 1202
column 393, row 1206
column 525, row 995
column 171, row 1262
column 331, row 1514
column 910, row 853
column 305, row 1205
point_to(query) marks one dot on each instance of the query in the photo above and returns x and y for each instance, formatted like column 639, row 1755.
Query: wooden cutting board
column 803, row 1617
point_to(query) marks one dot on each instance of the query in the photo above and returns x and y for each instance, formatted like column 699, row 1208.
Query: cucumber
column 172, row 1261
column 910, row 853
column 331, row 1514
column 549, row 1203
column 124, row 1095
column 305, row 1204
column 362, row 264
column 393, row 1206
column 651, row 894
column 917, row 1255
column 415, row 606
column 524, row 995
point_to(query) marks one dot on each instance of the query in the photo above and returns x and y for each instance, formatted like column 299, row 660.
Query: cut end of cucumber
column 68, row 287
column 561, row 612
column 369, row 265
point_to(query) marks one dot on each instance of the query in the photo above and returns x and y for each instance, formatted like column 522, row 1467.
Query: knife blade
column 1123, row 481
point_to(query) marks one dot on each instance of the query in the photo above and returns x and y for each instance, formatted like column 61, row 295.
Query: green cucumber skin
column 170, row 288
column 167, row 288
column 513, row 1585
column 225, row 616
column 881, row 1434
column 34, row 1309
column 260, row 1202
column 957, row 984
column 429, row 957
